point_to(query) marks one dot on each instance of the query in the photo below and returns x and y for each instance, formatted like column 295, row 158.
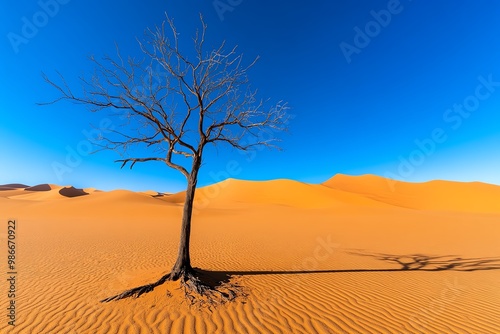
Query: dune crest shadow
column 40, row 187
column 12, row 186
column 72, row 192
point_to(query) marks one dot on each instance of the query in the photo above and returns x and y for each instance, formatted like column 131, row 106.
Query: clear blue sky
column 366, row 81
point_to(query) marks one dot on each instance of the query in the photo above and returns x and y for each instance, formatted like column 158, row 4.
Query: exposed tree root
column 200, row 288
column 137, row 292
column 200, row 292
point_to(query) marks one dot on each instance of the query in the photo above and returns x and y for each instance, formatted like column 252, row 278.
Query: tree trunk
column 183, row 264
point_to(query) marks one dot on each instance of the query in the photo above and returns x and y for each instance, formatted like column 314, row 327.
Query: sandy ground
column 354, row 255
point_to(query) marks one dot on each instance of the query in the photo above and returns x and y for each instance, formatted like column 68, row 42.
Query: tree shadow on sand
column 435, row 263
column 225, row 283
column 412, row 262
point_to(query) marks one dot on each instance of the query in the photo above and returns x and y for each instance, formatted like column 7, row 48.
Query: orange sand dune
column 349, row 256
column 433, row 195
column 38, row 195
column 276, row 192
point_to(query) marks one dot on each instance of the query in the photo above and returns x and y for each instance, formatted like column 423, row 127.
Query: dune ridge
column 432, row 195
column 13, row 186
column 340, row 190
column 42, row 187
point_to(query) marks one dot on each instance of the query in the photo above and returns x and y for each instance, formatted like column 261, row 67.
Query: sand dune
column 433, row 195
column 150, row 192
column 349, row 256
column 42, row 187
column 38, row 195
column 276, row 192
column 45, row 192
column 13, row 186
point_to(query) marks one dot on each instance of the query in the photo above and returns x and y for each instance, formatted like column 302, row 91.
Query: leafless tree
column 202, row 100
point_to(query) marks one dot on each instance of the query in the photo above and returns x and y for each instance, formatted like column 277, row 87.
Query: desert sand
column 353, row 255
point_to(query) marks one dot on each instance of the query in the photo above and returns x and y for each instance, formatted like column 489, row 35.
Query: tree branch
column 192, row 103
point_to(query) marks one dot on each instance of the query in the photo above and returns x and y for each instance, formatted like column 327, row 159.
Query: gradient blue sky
column 354, row 117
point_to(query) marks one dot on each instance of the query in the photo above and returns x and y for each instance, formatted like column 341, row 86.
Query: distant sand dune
column 339, row 191
column 41, row 187
column 433, row 195
column 7, row 188
column 13, row 186
column 276, row 192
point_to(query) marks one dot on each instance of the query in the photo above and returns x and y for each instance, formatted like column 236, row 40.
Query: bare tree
column 200, row 101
